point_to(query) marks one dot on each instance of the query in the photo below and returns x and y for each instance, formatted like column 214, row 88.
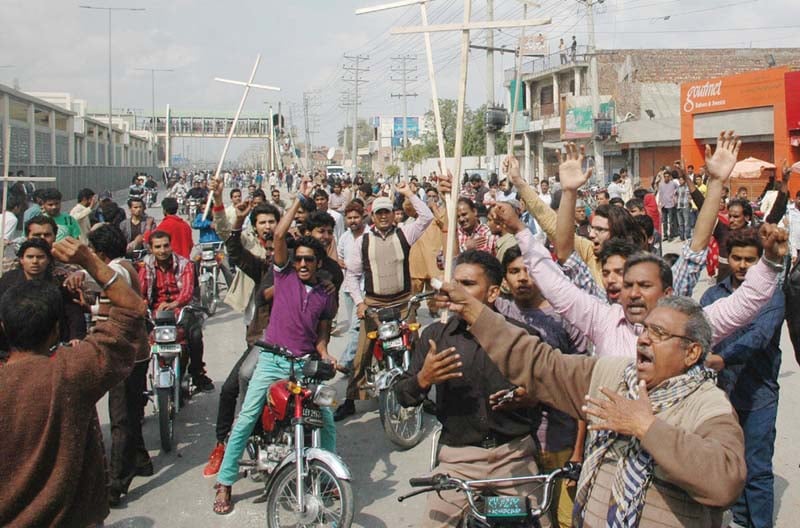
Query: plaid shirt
column 685, row 272
column 175, row 285
column 482, row 230
column 682, row 197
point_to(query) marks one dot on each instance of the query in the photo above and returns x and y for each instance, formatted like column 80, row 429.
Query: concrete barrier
column 71, row 179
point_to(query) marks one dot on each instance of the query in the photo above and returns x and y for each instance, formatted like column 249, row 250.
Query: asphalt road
column 177, row 495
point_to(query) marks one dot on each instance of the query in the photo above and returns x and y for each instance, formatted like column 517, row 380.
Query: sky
column 53, row 45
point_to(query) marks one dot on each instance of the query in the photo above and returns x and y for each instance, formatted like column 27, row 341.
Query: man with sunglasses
column 664, row 445
column 301, row 323
column 381, row 258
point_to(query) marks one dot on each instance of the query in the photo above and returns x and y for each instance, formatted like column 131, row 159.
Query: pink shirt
column 605, row 324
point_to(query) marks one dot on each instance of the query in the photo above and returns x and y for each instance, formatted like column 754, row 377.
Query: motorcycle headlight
column 324, row 396
column 165, row 334
column 208, row 254
column 388, row 330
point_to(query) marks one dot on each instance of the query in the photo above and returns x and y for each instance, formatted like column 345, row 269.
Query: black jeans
column 193, row 326
column 126, row 403
column 226, row 412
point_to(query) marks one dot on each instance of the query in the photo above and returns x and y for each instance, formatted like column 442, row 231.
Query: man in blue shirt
column 748, row 362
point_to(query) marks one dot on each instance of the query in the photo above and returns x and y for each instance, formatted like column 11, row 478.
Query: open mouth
column 613, row 294
column 637, row 309
column 644, row 357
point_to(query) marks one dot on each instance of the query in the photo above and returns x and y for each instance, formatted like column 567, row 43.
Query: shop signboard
column 578, row 122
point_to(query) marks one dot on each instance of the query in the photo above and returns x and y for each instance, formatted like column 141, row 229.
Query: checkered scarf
column 634, row 465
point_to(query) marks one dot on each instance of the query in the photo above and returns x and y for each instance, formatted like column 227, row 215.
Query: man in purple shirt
column 302, row 324
column 666, row 198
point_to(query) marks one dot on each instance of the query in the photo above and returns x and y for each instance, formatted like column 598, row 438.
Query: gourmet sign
column 698, row 95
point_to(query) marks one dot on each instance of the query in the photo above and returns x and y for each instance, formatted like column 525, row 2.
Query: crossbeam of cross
column 247, row 85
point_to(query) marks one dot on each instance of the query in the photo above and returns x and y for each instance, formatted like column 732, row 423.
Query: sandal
column 222, row 502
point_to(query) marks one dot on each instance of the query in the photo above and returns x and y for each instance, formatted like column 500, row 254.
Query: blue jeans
column 755, row 505
column 349, row 353
column 269, row 369
column 684, row 222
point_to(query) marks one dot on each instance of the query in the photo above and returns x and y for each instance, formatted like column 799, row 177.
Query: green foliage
column 413, row 155
column 392, row 171
column 364, row 135
column 474, row 131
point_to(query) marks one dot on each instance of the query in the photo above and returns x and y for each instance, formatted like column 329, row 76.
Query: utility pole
column 154, row 128
column 355, row 78
column 404, row 70
column 597, row 145
column 307, row 132
column 310, row 102
column 345, row 102
column 490, row 134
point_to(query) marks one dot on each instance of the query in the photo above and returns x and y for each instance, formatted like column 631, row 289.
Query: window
column 19, row 109
column 546, row 95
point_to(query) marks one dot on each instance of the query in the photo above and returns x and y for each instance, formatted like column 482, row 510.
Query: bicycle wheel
column 403, row 425
column 166, row 417
column 329, row 500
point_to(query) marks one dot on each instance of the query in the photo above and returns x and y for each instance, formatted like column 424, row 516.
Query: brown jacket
column 51, row 458
column 697, row 444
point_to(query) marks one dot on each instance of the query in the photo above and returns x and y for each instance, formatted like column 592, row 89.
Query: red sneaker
column 214, row 461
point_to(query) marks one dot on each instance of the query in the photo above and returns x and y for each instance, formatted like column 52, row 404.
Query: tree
column 392, row 171
column 413, row 155
column 474, row 131
column 364, row 135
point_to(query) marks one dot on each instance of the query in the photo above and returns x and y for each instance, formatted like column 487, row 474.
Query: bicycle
column 496, row 511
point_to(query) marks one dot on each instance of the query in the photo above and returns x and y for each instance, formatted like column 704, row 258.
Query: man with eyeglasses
column 664, row 446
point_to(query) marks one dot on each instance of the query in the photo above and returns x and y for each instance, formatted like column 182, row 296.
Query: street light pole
column 153, row 129
column 110, row 155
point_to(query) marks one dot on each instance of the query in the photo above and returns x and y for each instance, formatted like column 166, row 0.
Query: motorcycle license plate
column 312, row 417
column 506, row 509
column 391, row 344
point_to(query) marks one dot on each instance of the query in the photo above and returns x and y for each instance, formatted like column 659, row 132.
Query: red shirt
column 180, row 233
column 167, row 288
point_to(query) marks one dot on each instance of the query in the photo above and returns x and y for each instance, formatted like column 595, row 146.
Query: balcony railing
column 552, row 62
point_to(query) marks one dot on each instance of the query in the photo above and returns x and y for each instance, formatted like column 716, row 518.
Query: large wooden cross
column 247, row 85
column 464, row 28
column 6, row 178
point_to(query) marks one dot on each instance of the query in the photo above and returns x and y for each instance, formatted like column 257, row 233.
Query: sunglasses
column 310, row 259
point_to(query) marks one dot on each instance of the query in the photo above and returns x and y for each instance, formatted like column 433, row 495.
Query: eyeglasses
column 657, row 334
column 599, row 229
column 311, row 259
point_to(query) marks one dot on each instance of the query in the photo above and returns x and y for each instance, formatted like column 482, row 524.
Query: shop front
column 763, row 107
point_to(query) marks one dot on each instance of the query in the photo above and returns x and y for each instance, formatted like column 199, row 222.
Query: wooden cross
column 464, row 28
column 6, row 178
column 247, row 85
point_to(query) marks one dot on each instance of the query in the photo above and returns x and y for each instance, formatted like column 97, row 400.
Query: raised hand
column 775, row 242
column 215, row 185
column 570, row 168
column 72, row 251
column 720, row 165
column 506, row 216
column 403, row 188
column 242, row 210
column 511, row 168
column 444, row 183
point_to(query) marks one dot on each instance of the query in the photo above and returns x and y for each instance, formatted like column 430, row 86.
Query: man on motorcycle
column 136, row 225
column 197, row 191
column 386, row 275
column 302, row 325
column 479, row 439
column 167, row 283
column 179, row 231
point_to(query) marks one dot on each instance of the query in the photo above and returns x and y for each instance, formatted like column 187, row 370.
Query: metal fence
column 71, row 179
column 551, row 62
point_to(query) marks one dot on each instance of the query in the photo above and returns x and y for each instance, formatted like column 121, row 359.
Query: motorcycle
column 303, row 486
column 209, row 258
column 393, row 342
column 170, row 386
column 190, row 207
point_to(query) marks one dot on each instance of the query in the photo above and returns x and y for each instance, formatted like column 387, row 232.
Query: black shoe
column 114, row 497
column 348, row 408
column 145, row 470
column 203, row 383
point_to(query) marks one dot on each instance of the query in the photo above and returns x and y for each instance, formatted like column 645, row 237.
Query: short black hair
column 491, row 266
column 51, row 193
column 29, row 311
column 640, row 193
column 109, row 240
column 313, row 244
column 664, row 269
column 616, row 247
column 747, row 209
column 747, row 237
column 234, row 191
column 634, row 203
column 41, row 220
column 261, row 193
column 646, row 223
column 615, row 177
column 469, row 203
column 366, row 188
column 264, row 209
column 320, row 193
column 170, row 205
column 37, row 243
column 318, row 219
column 604, row 193
column 160, row 234
column 622, row 224
column 85, row 193
column 133, row 199
column 617, row 202
column 511, row 254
